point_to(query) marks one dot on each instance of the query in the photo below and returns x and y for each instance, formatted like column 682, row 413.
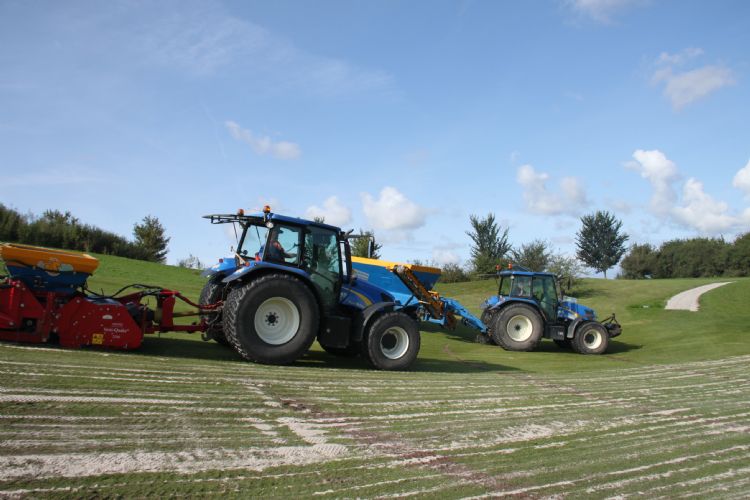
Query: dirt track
column 688, row 300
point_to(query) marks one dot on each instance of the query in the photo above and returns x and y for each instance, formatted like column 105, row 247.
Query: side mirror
column 370, row 247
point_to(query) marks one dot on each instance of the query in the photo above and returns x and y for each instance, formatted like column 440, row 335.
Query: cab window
column 322, row 261
column 283, row 245
column 521, row 286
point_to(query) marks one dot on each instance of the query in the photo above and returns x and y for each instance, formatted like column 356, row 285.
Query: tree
column 490, row 244
column 191, row 262
column 600, row 242
column 453, row 273
column 360, row 245
column 692, row 258
column 150, row 235
column 567, row 269
column 738, row 258
column 640, row 262
column 10, row 223
column 534, row 256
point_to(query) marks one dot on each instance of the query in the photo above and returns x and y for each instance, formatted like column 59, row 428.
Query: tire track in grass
column 299, row 407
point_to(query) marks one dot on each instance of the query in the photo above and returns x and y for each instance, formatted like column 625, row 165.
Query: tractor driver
column 521, row 286
column 274, row 250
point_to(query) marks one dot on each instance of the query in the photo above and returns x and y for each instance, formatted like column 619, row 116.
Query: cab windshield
column 253, row 242
column 516, row 286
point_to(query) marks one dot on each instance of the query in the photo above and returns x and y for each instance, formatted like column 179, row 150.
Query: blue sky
column 400, row 116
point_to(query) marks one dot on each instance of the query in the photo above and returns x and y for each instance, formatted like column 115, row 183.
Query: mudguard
column 495, row 302
column 255, row 266
column 361, row 320
column 572, row 328
column 224, row 267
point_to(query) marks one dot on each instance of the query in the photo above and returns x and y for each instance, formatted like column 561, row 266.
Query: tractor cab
column 316, row 250
column 538, row 288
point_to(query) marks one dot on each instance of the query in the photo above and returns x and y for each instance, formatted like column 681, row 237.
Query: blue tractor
column 291, row 282
column 530, row 307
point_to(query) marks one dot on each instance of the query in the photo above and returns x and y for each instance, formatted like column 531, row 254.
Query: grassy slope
column 664, row 413
column 650, row 334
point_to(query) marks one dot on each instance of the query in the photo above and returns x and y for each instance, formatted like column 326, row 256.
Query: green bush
column 62, row 230
column 640, row 262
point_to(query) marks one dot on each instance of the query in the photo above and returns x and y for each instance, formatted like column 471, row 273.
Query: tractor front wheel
column 591, row 338
column 272, row 320
column 391, row 342
column 518, row 327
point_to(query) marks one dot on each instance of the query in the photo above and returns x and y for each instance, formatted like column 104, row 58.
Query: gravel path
column 688, row 300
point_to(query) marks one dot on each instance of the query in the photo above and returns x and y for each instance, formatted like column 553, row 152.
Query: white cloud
column 661, row 172
column 700, row 211
column 685, row 87
column 443, row 256
column 621, row 206
column 665, row 58
column 569, row 199
column 275, row 203
column 203, row 38
column 197, row 41
column 695, row 210
column 264, row 145
column 742, row 179
column 334, row 212
column 392, row 210
column 601, row 10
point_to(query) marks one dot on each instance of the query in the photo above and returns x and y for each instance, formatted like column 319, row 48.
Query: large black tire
column 272, row 320
column 518, row 327
column 210, row 294
column 391, row 342
column 482, row 338
column 590, row 338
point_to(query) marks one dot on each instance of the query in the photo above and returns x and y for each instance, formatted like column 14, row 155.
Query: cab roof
column 260, row 218
column 513, row 272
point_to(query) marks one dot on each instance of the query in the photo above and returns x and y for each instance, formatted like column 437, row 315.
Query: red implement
column 77, row 320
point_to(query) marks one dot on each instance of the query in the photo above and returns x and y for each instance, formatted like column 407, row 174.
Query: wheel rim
column 592, row 339
column 394, row 343
column 277, row 321
column 520, row 328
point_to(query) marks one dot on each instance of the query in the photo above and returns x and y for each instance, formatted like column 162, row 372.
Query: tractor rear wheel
column 210, row 294
column 590, row 338
column 391, row 342
column 273, row 319
column 518, row 327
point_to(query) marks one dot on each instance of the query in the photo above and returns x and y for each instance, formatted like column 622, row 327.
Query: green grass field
column 665, row 414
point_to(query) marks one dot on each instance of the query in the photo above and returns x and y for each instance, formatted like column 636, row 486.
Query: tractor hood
column 225, row 266
column 492, row 302
column 571, row 309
